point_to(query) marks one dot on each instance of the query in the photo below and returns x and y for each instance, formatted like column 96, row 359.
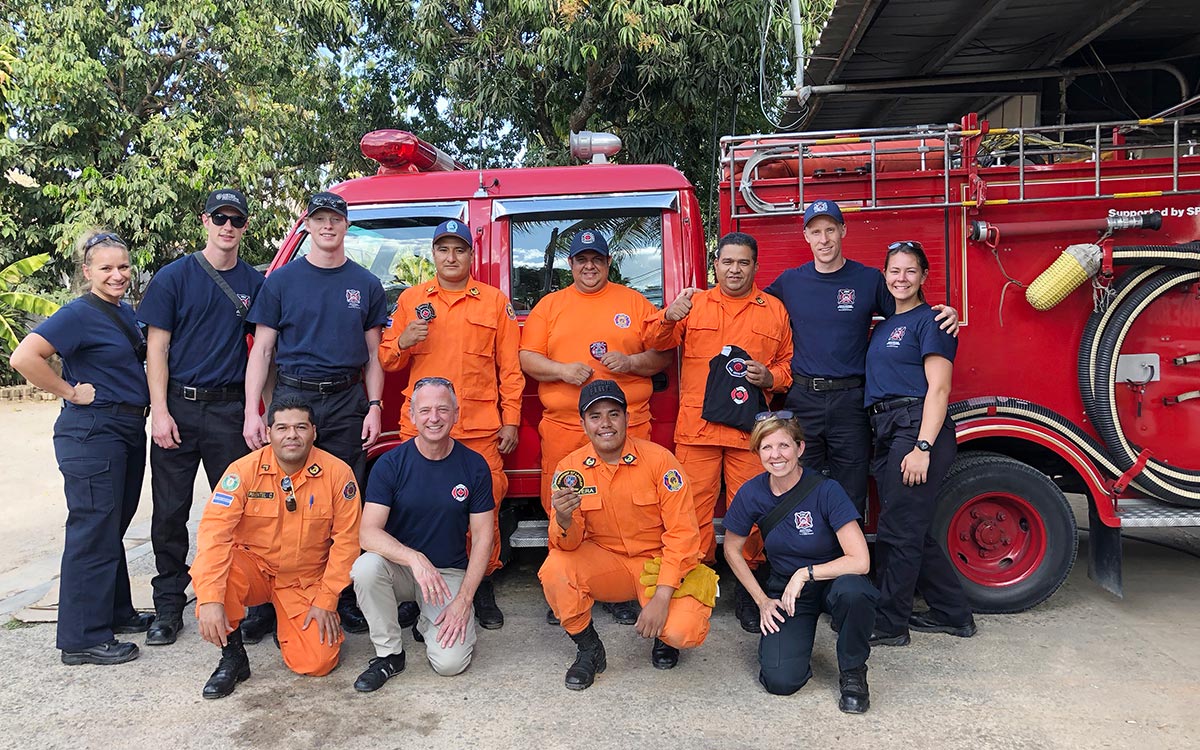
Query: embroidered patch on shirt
column 220, row 498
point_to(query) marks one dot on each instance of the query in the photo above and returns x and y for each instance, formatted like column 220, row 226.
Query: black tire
column 1035, row 516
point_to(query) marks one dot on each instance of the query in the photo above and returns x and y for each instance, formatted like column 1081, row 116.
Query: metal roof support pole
column 798, row 34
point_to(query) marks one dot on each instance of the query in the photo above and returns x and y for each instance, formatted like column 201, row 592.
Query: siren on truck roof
column 594, row 146
column 401, row 152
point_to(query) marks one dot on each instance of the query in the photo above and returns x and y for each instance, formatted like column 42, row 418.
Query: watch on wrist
column 810, row 574
column 374, row 402
column 924, row 446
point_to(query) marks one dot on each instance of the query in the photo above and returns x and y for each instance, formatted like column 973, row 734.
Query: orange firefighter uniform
column 570, row 326
column 757, row 323
column 629, row 513
column 251, row 549
column 473, row 342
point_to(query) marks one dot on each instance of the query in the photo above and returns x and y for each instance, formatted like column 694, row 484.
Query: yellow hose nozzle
column 1077, row 264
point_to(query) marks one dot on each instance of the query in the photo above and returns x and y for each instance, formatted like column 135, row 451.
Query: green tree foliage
column 16, row 305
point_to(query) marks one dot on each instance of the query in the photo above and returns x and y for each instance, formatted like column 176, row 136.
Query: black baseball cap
column 588, row 239
column 598, row 390
column 331, row 201
column 226, row 198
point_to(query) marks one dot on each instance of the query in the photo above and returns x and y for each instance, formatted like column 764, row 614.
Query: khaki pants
column 381, row 585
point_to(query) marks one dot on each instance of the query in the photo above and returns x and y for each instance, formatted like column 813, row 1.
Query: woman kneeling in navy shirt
column 818, row 557
column 909, row 364
column 100, row 444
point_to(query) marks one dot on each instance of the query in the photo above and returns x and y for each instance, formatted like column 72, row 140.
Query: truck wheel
column 1008, row 531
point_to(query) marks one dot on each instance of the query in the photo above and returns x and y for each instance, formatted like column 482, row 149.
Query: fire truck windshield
column 540, row 243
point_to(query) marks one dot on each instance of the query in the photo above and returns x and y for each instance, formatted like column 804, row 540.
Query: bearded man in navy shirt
column 831, row 302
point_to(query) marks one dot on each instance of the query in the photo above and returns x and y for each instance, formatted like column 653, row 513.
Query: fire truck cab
column 522, row 221
column 1083, row 382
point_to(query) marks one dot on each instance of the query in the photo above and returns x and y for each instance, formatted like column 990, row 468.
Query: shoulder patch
column 568, row 480
column 510, row 312
column 589, row 461
column 350, row 490
column 231, row 482
column 460, row 492
column 314, row 470
column 628, row 458
column 673, row 480
column 221, row 498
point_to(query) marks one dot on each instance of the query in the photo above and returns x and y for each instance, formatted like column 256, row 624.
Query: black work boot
column 233, row 668
column 589, row 661
column 165, row 629
column 407, row 614
column 350, row 615
column 624, row 613
column 663, row 656
column 489, row 615
column 744, row 607
column 258, row 623
column 856, row 698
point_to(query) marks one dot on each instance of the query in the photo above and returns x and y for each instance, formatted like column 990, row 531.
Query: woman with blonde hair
column 100, row 445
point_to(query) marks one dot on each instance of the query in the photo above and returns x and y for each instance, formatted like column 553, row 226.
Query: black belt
column 234, row 392
column 880, row 407
column 336, row 385
column 827, row 384
column 125, row 410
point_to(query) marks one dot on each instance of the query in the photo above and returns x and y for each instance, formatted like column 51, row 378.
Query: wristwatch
column 374, row 402
column 810, row 574
column 924, row 446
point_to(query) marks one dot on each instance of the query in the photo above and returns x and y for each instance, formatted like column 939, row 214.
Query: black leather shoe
column 663, row 656
column 417, row 635
column 926, row 622
column 624, row 613
column 590, row 660
column 258, row 623
column 113, row 652
column 164, row 631
column 551, row 619
column 379, row 670
column 352, row 617
column 887, row 639
column 233, row 668
column 489, row 615
column 856, row 697
column 407, row 613
column 139, row 623
column 745, row 609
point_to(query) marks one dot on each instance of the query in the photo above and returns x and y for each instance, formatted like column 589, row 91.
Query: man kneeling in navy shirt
column 420, row 501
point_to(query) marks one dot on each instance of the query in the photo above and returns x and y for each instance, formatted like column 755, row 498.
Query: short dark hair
column 289, row 403
column 738, row 238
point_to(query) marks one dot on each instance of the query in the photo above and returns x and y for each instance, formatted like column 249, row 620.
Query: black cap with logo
column 226, row 198
column 599, row 390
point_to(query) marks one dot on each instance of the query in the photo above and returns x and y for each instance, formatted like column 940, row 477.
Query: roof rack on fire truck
column 767, row 173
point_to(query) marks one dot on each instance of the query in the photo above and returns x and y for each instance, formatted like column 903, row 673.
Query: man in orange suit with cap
column 721, row 390
column 281, row 527
column 457, row 328
column 619, row 503
column 592, row 329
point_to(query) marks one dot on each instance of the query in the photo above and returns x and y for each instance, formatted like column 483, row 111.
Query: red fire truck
column 1091, row 395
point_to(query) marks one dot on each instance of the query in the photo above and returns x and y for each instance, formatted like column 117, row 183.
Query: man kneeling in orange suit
column 281, row 527
column 623, row 526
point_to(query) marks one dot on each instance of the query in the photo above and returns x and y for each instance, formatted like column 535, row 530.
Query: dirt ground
column 1083, row 670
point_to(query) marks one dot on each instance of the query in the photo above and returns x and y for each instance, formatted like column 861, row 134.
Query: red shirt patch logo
column 460, row 492
column 353, row 298
column 740, row 395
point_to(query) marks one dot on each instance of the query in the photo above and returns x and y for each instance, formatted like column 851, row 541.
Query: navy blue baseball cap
column 599, row 390
column 331, row 201
column 452, row 228
column 588, row 239
column 226, row 198
column 823, row 208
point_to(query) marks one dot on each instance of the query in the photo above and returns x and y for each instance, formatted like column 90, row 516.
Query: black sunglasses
column 324, row 201
column 906, row 243
column 220, row 219
column 763, row 416
column 290, row 500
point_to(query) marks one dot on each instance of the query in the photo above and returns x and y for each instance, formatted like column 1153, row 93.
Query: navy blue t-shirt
column 831, row 316
column 431, row 501
column 808, row 536
column 320, row 315
column 208, row 342
column 95, row 350
column 896, row 356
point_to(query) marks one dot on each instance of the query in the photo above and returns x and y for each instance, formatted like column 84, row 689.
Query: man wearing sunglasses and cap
column 831, row 302
column 320, row 318
column 623, row 525
column 591, row 329
column 195, row 311
column 280, row 527
column 458, row 328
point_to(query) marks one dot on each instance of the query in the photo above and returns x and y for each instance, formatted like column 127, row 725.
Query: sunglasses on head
column 290, row 500
column 763, row 416
column 103, row 237
column 325, row 201
column 902, row 244
column 220, row 219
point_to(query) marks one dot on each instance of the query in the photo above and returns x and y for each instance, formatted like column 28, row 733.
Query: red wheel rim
column 996, row 539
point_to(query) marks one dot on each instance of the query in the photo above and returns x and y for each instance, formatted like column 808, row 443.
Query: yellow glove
column 700, row 583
